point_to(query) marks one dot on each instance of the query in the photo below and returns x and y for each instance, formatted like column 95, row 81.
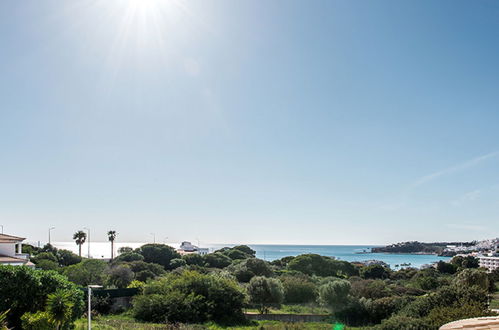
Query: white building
column 11, row 251
column 491, row 263
column 188, row 247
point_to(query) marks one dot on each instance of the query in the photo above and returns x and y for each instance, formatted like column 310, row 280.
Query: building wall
column 8, row 249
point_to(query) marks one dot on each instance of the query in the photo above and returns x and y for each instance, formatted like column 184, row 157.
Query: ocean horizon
column 270, row 252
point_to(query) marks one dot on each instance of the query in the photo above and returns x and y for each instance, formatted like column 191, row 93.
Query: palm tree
column 80, row 237
column 111, row 235
column 59, row 307
column 3, row 320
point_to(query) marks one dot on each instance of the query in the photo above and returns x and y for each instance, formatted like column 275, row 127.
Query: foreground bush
column 189, row 297
column 25, row 290
column 265, row 292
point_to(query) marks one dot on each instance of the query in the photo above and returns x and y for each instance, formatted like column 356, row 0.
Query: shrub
column 314, row 264
column 24, row 290
column 189, row 297
column 265, row 292
column 298, row 290
column 251, row 267
column 193, row 259
column 217, row 260
column 67, row 258
column 473, row 277
column 372, row 289
column 46, row 264
column 334, row 293
column 404, row 323
column 119, row 276
column 177, row 263
column 128, row 257
column 374, row 272
column 160, row 254
column 445, row 314
column 36, row 321
column 89, row 271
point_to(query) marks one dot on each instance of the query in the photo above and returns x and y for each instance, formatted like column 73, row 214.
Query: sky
column 273, row 122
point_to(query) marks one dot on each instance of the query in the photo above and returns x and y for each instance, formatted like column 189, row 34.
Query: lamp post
column 2, row 228
column 153, row 238
column 88, row 241
column 90, row 287
column 49, row 233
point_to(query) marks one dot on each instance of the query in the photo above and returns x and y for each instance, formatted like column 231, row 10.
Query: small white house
column 11, row 251
column 188, row 247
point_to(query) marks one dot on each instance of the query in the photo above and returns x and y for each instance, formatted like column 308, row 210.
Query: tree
column 144, row 271
column 334, row 293
column 46, row 264
column 160, row 254
column 465, row 262
column 251, row 267
column 125, row 249
column 89, row 271
column 298, row 289
column 177, row 263
column 446, row 267
column 314, row 264
column 193, row 259
column 111, row 235
column 25, row 290
column 129, row 257
column 473, row 277
column 119, row 276
column 80, row 237
column 59, row 307
column 217, row 260
column 265, row 292
column 67, row 258
column 374, row 272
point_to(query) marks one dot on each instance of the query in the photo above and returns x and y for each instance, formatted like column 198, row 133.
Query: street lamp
column 49, row 233
column 2, row 228
column 90, row 287
column 88, row 241
column 154, row 237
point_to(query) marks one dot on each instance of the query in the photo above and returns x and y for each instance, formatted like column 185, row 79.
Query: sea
column 272, row 252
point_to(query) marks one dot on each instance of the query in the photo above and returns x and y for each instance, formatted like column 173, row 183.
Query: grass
column 124, row 322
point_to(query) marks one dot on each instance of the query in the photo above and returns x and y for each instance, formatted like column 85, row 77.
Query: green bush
column 334, row 293
column 265, row 292
column 89, row 271
column 298, row 290
column 160, row 254
column 251, row 267
column 36, row 321
column 129, row 257
column 314, row 264
column 374, row 272
column 404, row 323
column 189, row 297
column 119, row 276
column 46, row 264
column 193, row 259
column 25, row 290
column 177, row 263
column 217, row 260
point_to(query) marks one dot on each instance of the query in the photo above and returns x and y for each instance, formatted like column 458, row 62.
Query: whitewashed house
column 188, row 248
column 11, row 251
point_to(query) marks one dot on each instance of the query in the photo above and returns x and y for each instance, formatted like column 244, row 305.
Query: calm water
column 273, row 252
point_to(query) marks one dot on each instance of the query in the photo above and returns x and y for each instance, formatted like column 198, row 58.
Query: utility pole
column 49, row 234
column 88, row 241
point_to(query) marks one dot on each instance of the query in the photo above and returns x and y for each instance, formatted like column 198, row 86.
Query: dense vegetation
column 418, row 247
column 217, row 288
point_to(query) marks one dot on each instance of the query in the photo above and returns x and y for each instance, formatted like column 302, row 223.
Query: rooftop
column 10, row 239
column 491, row 322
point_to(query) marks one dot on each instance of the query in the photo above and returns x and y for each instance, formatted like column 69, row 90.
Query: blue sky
column 302, row 122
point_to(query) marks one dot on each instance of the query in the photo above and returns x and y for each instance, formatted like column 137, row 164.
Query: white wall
column 8, row 249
